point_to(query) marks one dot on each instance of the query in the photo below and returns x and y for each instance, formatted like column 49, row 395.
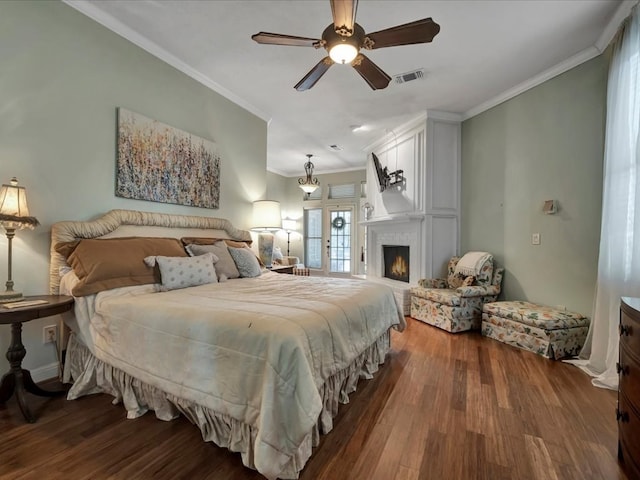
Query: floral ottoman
column 547, row 331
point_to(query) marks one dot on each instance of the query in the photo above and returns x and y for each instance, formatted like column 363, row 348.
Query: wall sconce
column 310, row 183
column 14, row 214
column 550, row 207
column 288, row 226
column 266, row 220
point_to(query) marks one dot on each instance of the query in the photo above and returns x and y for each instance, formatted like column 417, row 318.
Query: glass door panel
column 339, row 243
column 313, row 237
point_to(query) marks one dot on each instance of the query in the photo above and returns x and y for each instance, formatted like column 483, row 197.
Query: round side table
column 18, row 380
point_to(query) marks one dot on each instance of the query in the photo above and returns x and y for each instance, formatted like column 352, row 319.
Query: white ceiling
column 486, row 52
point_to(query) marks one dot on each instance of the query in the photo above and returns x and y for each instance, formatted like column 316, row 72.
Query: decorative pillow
column 225, row 266
column 246, row 262
column 245, row 245
column 105, row 263
column 186, row 241
column 182, row 272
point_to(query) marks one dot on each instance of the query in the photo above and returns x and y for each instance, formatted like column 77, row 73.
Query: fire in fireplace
column 396, row 262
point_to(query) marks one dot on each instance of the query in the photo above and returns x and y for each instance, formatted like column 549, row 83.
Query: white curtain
column 619, row 259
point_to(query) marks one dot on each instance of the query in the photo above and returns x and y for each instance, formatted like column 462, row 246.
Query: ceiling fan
column 344, row 39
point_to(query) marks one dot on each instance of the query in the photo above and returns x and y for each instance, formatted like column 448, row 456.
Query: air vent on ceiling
column 409, row 76
column 337, row 148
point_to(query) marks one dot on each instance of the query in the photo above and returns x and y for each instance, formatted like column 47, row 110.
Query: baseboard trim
column 46, row 372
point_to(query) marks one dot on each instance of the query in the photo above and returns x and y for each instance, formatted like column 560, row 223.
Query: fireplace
column 396, row 262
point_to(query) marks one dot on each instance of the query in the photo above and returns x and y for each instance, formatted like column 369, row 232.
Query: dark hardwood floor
column 442, row 407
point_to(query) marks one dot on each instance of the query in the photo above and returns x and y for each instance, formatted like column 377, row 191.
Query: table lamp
column 266, row 220
column 14, row 214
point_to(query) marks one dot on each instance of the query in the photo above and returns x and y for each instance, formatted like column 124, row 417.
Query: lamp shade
column 289, row 225
column 14, row 212
column 266, row 215
column 309, row 187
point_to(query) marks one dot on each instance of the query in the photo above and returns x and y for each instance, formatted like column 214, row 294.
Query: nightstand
column 18, row 380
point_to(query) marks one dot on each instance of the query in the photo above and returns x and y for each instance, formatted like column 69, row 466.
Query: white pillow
column 182, row 272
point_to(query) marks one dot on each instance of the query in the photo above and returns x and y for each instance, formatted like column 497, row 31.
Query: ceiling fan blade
column 372, row 74
column 420, row 31
column 314, row 75
column 289, row 40
column 344, row 16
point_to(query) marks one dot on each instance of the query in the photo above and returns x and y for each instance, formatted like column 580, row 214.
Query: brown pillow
column 102, row 264
column 211, row 241
column 198, row 240
column 237, row 244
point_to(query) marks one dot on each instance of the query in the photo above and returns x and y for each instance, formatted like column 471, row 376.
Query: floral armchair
column 455, row 303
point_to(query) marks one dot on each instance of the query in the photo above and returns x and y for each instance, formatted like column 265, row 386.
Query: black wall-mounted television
column 381, row 173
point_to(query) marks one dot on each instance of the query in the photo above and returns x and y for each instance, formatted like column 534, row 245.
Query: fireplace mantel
column 424, row 212
column 401, row 218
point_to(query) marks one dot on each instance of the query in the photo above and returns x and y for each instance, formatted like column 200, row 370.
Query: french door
column 339, row 241
column 334, row 227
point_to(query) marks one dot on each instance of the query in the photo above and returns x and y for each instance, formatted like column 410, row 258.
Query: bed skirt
column 91, row 375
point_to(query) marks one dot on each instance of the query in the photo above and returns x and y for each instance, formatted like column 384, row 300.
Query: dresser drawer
column 629, row 331
column 629, row 375
column 629, row 436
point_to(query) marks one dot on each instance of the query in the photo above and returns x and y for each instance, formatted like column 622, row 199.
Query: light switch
column 535, row 239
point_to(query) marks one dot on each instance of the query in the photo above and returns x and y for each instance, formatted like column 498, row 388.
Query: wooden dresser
column 628, row 411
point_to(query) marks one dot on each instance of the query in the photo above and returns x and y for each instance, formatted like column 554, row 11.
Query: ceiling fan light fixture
column 343, row 53
column 343, row 40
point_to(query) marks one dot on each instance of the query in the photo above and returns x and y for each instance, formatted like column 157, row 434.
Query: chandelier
column 310, row 183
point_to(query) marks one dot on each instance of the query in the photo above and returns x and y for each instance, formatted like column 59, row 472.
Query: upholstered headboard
column 132, row 223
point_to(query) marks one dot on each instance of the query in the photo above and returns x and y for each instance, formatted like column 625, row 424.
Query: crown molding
column 554, row 71
column 443, row 116
column 612, row 27
column 587, row 54
column 315, row 171
column 86, row 8
column 91, row 11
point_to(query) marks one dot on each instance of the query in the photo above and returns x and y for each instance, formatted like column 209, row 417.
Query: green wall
column 544, row 144
column 62, row 78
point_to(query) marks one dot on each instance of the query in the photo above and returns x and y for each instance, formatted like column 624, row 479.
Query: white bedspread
column 256, row 349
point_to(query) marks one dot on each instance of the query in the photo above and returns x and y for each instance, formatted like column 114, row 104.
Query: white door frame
column 326, row 230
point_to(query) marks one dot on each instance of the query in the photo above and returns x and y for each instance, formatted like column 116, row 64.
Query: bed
column 259, row 363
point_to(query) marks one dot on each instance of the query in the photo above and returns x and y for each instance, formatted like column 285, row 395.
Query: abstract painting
column 160, row 163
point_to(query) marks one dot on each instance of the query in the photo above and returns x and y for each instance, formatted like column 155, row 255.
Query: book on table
column 23, row 303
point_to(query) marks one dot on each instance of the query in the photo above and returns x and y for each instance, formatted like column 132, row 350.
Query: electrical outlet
column 535, row 239
column 50, row 334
